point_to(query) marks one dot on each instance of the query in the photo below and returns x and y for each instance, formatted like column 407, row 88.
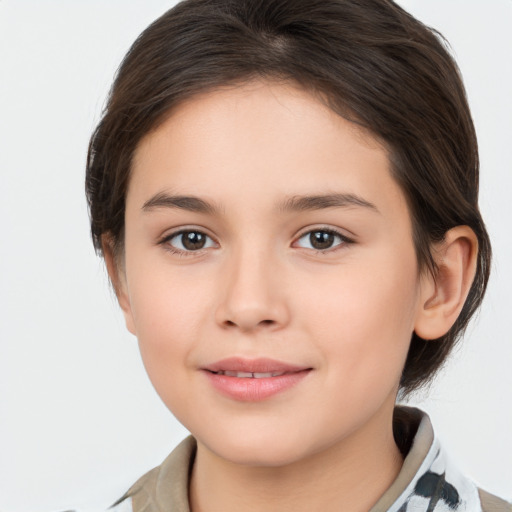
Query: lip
column 253, row 389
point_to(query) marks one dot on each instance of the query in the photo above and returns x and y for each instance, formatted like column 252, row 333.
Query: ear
column 117, row 277
column 443, row 296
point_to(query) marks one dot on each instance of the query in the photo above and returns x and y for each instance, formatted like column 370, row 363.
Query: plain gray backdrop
column 79, row 421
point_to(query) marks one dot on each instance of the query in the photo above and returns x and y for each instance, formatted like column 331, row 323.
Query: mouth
column 249, row 375
column 252, row 368
column 253, row 380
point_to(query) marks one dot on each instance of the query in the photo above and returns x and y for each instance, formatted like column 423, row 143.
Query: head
column 368, row 64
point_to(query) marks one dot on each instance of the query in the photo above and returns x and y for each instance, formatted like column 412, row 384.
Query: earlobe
column 118, row 280
column 443, row 296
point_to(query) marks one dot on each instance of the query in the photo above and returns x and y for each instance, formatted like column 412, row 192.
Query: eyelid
column 345, row 240
column 165, row 239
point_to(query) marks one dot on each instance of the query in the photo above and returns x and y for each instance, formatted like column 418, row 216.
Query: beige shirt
column 426, row 482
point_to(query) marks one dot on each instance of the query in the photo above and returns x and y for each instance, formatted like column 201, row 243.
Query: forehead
column 260, row 101
column 259, row 138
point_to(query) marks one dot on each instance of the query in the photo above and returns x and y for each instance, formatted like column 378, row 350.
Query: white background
column 79, row 421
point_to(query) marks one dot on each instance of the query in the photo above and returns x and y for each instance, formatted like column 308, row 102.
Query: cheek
column 166, row 299
column 363, row 317
column 169, row 311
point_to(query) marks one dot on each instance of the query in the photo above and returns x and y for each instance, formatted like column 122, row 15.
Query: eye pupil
column 321, row 239
column 192, row 240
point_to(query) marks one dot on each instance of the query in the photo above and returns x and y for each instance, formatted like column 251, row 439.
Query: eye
column 188, row 241
column 322, row 239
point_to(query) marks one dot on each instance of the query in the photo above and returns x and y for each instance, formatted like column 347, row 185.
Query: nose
column 252, row 295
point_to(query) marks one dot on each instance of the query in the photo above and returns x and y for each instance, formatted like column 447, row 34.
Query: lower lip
column 255, row 390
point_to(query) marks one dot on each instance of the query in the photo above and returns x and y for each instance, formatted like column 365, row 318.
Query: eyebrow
column 189, row 203
column 320, row 202
column 294, row 203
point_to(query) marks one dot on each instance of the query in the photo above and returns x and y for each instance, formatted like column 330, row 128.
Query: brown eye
column 322, row 239
column 188, row 241
column 193, row 240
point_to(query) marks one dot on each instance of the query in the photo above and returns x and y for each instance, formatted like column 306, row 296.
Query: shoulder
column 491, row 503
column 165, row 486
column 123, row 506
column 429, row 477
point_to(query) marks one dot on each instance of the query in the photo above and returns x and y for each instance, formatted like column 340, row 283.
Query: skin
column 258, row 288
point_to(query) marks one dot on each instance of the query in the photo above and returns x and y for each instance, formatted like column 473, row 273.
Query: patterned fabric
column 438, row 487
column 427, row 482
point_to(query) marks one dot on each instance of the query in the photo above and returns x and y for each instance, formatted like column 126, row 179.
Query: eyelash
column 168, row 247
column 344, row 240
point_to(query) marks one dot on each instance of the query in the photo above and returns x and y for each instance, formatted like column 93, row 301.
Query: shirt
column 427, row 482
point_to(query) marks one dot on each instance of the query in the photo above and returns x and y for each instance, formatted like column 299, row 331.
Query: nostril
column 231, row 323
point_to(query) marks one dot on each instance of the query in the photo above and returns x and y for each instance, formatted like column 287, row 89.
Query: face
column 270, row 274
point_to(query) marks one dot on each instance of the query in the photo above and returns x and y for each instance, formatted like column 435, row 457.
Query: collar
column 427, row 482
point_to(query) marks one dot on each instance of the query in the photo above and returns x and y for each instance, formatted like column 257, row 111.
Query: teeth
column 249, row 375
column 242, row 375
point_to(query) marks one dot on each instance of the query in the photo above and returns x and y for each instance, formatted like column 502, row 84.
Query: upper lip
column 259, row 365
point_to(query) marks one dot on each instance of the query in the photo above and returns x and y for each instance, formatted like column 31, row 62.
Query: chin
column 259, row 447
column 259, row 455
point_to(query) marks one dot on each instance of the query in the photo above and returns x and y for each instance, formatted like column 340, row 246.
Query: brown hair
column 369, row 60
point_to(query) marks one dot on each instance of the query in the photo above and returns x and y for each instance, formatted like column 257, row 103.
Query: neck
column 350, row 474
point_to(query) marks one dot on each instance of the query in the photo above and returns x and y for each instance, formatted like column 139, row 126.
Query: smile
column 253, row 380
column 249, row 375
